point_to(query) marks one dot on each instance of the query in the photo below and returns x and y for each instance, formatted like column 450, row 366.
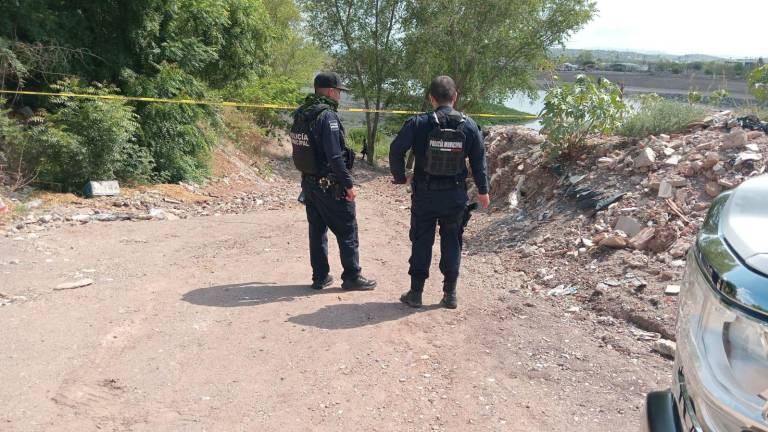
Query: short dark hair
column 443, row 89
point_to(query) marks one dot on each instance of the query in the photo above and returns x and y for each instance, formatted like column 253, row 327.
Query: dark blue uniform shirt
column 330, row 135
column 414, row 135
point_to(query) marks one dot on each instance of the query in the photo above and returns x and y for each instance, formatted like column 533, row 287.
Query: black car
column 721, row 364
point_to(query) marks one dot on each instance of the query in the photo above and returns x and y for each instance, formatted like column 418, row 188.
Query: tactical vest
column 306, row 154
column 445, row 147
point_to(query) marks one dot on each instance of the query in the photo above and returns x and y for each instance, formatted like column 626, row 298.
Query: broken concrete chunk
column 735, row 139
column 641, row 239
column 101, row 188
column 673, row 160
column 665, row 189
column 646, row 158
column 630, row 226
column 672, row 290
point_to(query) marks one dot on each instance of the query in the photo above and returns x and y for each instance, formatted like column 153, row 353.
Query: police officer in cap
column 321, row 154
column 441, row 141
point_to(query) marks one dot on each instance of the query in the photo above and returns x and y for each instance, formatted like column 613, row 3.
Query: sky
column 731, row 28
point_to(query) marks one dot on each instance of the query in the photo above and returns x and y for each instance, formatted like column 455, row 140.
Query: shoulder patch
column 334, row 125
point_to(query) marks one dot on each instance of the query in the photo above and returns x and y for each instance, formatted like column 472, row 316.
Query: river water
column 524, row 103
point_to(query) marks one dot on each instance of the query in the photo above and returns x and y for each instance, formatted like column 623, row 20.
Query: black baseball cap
column 329, row 80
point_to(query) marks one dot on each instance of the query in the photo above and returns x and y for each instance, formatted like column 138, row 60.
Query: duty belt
column 323, row 183
column 436, row 184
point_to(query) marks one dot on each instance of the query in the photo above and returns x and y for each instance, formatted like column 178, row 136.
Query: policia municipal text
column 328, row 192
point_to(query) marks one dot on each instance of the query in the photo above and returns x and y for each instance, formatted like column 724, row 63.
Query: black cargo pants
column 325, row 210
column 430, row 208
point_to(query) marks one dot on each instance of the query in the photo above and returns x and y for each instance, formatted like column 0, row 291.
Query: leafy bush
column 574, row 111
column 179, row 137
column 758, row 84
column 663, row 117
column 694, row 97
column 718, row 97
column 83, row 140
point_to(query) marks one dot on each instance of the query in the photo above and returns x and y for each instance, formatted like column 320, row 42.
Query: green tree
column 585, row 58
column 491, row 48
column 364, row 38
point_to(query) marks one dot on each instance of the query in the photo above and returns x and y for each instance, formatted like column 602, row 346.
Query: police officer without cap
column 441, row 141
column 321, row 154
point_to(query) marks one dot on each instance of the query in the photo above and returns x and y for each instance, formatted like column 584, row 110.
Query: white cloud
column 730, row 29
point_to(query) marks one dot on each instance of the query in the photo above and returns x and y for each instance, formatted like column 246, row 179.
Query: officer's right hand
column 484, row 200
column 351, row 194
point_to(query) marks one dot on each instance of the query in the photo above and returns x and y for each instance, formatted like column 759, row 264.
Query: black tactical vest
column 305, row 149
column 445, row 147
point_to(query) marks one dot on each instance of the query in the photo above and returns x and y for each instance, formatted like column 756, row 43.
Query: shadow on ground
column 351, row 315
column 251, row 294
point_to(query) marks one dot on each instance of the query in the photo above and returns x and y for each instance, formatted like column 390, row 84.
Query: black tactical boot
column 358, row 284
column 324, row 283
column 449, row 295
column 413, row 297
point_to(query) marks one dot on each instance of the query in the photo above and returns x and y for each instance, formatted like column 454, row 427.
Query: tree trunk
column 373, row 130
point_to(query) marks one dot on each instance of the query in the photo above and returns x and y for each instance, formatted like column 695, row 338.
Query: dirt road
column 207, row 324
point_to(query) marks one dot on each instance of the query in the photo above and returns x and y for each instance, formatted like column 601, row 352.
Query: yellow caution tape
column 237, row 104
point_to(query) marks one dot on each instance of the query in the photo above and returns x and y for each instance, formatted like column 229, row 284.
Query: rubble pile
column 626, row 214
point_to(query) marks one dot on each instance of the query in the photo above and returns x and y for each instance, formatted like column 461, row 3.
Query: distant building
column 569, row 67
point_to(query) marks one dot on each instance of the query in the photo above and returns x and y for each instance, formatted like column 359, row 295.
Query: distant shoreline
column 643, row 82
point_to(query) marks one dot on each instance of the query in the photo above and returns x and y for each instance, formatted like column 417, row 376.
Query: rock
column 711, row 159
column 605, row 163
column 686, row 169
column 668, row 275
column 646, row 158
column 72, row 285
column 701, row 206
column 665, row 347
column 668, row 151
column 735, row 139
column 14, row 262
column 628, row 225
column 36, row 203
column 713, row 189
column 694, row 157
column 719, row 169
column 664, row 137
column 101, row 188
column 641, row 240
column 677, row 181
column 747, row 156
column 82, row 218
column 672, row 290
column 562, row 290
column 753, row 147
column 171, row 217
column 754, row 135
column 681, row 197
column 664, row 238
column 105, row 217
column 705, row 146
column 680, row 248
column 44, row 219
column 614, row 241
column 673, row 160
column 159, row 214
column 665, row 189
column 727, row 184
